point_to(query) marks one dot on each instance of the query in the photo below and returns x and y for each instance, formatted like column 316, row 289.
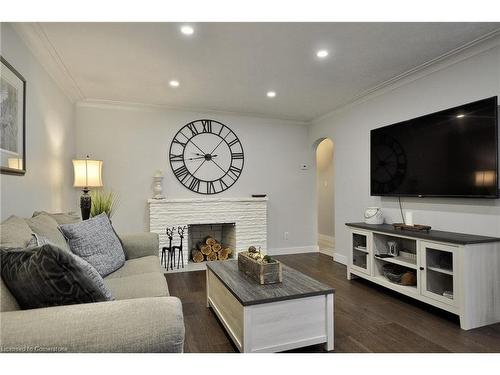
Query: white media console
column 456, row 272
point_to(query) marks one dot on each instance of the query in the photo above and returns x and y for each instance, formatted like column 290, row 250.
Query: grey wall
column 472, row 78
column 133, row 142
column 50, row 139
column 324, row 188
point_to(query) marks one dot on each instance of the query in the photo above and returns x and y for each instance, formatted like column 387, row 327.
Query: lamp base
column 85, row 204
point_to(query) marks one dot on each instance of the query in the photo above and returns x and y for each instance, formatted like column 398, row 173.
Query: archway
column 325, row 196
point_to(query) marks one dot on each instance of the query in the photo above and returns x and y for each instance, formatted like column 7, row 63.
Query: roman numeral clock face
column 206, row 156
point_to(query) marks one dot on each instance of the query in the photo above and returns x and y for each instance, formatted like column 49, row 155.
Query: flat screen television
column 450, row 153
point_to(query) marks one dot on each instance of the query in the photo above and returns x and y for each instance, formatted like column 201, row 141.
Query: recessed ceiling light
column 460, row 116
column 187, row 30
column 271, row 94
column 322, row 53
column 174, row 83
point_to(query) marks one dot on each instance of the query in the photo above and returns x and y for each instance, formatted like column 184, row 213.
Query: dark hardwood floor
column 368, row 318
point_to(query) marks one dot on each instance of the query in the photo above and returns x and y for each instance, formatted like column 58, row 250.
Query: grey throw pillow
column 45, row 226
column 46, row 276
column 61, row 217
column 14, row 232
column 95, row 241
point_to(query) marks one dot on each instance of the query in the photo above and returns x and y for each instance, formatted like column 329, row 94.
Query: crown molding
column 35, row 38
column 475, row 47
column 104, row 103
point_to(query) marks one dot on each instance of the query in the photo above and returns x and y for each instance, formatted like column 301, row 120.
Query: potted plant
column 103, row 201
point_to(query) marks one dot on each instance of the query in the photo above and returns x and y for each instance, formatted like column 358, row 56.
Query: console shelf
column 441, row 270
column 453, row 271
column 405, row 289
column 363, row 250
column 401, row 261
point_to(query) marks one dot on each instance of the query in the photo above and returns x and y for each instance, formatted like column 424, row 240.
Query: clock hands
column 202, row 157
column 207, row 157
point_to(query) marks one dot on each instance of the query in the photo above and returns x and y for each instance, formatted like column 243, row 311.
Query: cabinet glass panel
column 359, row 251
column 439, row 272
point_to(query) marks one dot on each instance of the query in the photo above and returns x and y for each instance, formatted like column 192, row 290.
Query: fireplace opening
column 207, row 242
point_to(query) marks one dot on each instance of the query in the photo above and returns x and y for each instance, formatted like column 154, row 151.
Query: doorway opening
column 325, row 196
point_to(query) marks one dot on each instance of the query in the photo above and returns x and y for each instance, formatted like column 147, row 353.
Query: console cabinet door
column 361, row 258
column 438, row 270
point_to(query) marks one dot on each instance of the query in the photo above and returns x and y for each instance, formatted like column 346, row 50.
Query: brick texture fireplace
column 248, row 217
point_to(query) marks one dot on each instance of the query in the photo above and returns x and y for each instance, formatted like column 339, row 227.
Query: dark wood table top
column 248, row 292
column 432, row 235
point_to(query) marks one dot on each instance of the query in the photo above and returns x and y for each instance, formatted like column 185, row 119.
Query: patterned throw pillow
column 95, row 241
column 46, row 276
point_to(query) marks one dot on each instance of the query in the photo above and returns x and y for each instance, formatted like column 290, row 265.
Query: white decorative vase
column 158, row 185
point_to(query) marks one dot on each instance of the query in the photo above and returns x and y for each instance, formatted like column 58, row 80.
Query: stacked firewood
column 210, row 249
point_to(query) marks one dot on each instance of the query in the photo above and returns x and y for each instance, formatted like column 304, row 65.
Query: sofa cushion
column 138, row 245
column 45, row 226
column 15, row 233
column 136, row 325
column 96, row 241
column 61, row 217
column 49, row 276
column 7, row 300
column 137, row 266
column 138, row 286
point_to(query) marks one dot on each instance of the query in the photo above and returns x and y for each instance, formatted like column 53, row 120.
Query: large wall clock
column 206, row 156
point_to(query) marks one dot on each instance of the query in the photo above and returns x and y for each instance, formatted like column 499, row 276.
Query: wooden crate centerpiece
column 263, row 269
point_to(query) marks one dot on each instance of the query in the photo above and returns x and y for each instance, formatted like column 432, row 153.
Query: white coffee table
column 270, row 318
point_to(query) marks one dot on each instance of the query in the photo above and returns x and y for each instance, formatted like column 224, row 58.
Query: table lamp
column 88, row 174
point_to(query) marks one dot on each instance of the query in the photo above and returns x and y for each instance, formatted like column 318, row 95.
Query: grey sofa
column 143, row 318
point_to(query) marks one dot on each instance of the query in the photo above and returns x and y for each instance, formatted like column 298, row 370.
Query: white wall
column 471, row 79
column 324, row 188
column 133, row 142
column 50, row 139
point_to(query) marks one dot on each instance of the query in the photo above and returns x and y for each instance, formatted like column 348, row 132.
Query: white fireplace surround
column 248, row 214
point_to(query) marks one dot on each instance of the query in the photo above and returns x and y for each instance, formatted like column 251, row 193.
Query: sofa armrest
column 135, row 325
column 138, row 245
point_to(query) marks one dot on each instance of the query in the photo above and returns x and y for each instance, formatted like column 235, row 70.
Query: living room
column 254, row 187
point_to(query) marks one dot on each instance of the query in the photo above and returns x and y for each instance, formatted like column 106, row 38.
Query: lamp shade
column 88, row 173
column 15, row 163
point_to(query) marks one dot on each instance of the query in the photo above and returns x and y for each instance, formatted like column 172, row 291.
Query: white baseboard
column 339, row 258
column 293, row 250
column 330, row 240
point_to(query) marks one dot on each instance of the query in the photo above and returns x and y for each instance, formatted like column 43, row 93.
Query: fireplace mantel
column 248, row 214
column 204, row 200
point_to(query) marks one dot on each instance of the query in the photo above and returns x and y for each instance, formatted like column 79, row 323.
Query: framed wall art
column 12, row 120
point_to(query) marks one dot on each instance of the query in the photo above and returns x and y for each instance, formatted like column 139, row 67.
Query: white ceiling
column 231, row 66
